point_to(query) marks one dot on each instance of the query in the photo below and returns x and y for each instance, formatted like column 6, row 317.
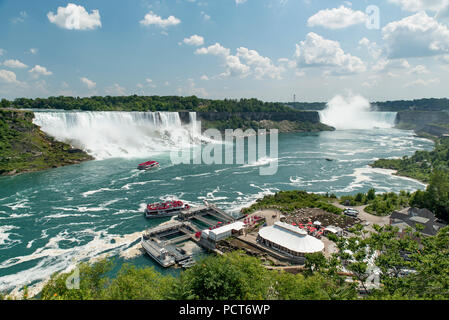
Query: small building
column 410, row 217
column 289, row 240
column 335, row 230
column 223, row 232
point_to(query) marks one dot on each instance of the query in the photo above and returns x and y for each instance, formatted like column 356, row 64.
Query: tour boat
column 165, row 209
column 149, row 165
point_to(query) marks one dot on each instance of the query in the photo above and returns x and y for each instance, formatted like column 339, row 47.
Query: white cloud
column 74, row 17
column 235, row 68
column 21, row 18
column 194, row 40
column 14, row 64
column 204, row 78
column 419, row 69
column 39, row 70
column 240, row 1
column 422, row 83
column 8, row 77
column 253, row 62
column 337, row 18
column 191, row 89
column 116, row 90
column 260, row 66
column 2, row 51
column 444, row 59
column 153, row 19
column 316, row 51
column 33, row 50
column 216, row 49
column 419, row 5
column 89, row 83
column 205, row 16
column 150, row 83
column 372, row 47
column 416, row 36
column 385, row 65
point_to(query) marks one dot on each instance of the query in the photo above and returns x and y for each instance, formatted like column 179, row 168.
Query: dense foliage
column 409, row 267
column 24, row 147
column 421, row 165
column 289, row 201
column 146, row 103
column 378, row 204
column 233, row 276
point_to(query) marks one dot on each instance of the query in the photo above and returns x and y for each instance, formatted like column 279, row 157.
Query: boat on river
column 149, row 165
column 165, row 209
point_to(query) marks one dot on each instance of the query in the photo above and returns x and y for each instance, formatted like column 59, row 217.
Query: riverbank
column 25, row 148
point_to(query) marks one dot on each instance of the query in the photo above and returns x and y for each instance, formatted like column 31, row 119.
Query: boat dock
column 162, row 243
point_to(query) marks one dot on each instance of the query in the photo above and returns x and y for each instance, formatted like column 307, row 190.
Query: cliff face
column 306, row 116
column 24, row 147
column 307, row 121
column 435, row 123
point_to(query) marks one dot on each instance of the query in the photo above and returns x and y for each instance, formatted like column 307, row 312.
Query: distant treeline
column 399, row 105
column 147, row 103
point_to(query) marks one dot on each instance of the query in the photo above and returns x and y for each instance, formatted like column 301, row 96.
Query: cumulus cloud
column 386, row 65
column 75, row 17
column 33, row 50
column 418, row 5
column 373, row 49
column 240, row 1
column 416, row 36
column 14, row 64
column 337, row 18
column 422, row 82
column 194, row 40
column 261, row 66
column 317, row 51
column 153, row 19
column 8, row 77
column 40, row 71
column 244, row 63
column 419, row 69
column 216, row 49
column 2, row 51
column 88, row 83
column 116, row 90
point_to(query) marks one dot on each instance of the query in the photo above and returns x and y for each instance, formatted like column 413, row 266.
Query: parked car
column 351, row 212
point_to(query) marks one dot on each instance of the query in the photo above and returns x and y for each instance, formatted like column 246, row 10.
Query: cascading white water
column 354, row 112
column 120, row 134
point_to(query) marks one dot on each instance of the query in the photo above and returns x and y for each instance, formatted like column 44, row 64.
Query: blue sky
column 268, row 49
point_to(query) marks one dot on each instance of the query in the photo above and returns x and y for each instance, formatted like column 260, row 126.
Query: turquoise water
column 50, row 219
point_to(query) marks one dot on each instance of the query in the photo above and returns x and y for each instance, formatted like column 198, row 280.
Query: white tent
column 291, row 238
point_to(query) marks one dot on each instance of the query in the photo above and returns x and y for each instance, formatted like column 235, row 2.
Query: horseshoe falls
column 355, row 112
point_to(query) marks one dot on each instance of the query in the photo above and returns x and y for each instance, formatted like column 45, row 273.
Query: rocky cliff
column 434, row 123
column 24, row 147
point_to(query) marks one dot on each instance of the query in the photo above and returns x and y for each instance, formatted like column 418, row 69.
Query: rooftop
column 291, row 237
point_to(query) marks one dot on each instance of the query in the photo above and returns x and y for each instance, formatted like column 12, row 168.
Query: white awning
column 291, row 238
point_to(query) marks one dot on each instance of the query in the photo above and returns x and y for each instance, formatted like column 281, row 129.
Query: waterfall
column 120, row 134
column 355, row 112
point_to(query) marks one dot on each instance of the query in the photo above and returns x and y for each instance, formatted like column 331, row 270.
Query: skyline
column 270, row 49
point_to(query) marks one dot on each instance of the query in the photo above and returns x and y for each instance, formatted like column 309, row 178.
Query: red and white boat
column 165, row 209
column 149, row 165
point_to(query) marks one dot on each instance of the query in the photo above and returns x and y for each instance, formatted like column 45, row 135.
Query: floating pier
column 162, row 242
